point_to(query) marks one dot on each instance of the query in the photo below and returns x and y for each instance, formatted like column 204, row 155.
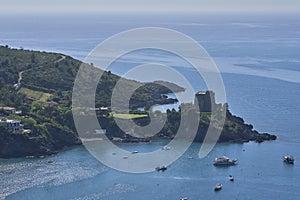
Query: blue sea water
column 259, row 58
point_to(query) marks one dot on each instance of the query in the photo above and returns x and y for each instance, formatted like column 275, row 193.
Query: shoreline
column 154, row 140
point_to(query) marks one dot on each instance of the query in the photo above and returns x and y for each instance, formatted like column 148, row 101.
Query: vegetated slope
column 40, row 85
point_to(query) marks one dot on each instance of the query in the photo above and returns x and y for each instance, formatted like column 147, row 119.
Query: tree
column 3, row 128
column 28, row 123
column 33, row 58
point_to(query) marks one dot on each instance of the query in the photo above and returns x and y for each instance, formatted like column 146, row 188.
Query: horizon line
column 148, row 12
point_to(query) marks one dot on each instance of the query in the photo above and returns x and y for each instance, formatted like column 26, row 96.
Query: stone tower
column 205, row 100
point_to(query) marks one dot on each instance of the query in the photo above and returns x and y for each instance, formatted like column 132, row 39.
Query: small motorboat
column 184, row 198
column 161, row 168
column 288, row 159
column 224, row 161
column 134, row 152
column 218, row 187
column 231, row 178
column 166, row 148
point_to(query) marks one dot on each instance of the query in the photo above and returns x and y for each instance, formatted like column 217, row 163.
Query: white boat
column 166, row 148
column 231, row 178
column 224, row 161
column 218, row 187
column 288, row 159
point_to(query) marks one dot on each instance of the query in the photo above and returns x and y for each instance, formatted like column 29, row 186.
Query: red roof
column 7, row 108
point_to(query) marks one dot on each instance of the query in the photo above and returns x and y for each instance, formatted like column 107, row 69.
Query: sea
column 258, row 56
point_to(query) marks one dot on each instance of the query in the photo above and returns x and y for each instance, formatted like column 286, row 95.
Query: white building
column 13, row 124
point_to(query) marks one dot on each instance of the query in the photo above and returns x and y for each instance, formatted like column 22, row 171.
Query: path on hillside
column 18, row 84
column 61, row 59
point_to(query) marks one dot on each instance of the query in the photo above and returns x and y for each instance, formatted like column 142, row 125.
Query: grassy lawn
column 128, row 116
column 36, row 95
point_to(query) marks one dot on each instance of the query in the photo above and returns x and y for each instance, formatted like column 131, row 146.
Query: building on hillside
column 13, row 124
column 9, row 110
column 104, row 111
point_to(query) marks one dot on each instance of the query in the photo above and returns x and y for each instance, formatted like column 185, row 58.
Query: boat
column 134, row 152
column 161, row 168
column 288, row 159
column 184, row 198
column 231, row 178
column 218, row 187
column 166, row 148
column 224, row 161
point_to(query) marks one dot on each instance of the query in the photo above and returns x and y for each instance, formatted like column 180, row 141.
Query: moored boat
column 288, row 159
column 224, row 161
column 166, row 148
column 161, row 168
column 218, row 187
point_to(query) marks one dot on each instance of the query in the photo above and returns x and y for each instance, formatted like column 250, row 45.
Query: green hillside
column 40, row 85
column 36, row 89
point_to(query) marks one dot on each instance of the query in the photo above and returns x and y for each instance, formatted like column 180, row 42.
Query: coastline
column 53, row 130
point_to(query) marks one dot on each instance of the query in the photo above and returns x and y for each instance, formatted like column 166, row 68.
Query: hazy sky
column 76, row 6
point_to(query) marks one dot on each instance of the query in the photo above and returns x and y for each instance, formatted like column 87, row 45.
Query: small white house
column 13, row 124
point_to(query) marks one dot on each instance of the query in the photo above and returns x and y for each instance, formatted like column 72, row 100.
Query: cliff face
column 235, row 130
column 17, row 145
column 48, row 140
column 242, row 132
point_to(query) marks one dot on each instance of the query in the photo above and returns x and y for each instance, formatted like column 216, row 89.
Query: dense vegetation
column 40, row 85
column 233, row 130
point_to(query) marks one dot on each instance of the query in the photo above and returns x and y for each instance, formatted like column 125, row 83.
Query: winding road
column 18, row 84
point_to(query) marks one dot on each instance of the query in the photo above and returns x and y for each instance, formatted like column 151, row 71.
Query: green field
column 36, row 95
column 128, row 116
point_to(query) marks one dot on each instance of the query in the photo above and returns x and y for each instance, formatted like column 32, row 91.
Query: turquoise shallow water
column 259, row 61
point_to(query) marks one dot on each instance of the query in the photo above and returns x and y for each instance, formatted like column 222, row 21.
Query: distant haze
column 79, row 6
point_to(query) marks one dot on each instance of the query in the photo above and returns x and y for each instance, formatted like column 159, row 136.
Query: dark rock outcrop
column 49, row 141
